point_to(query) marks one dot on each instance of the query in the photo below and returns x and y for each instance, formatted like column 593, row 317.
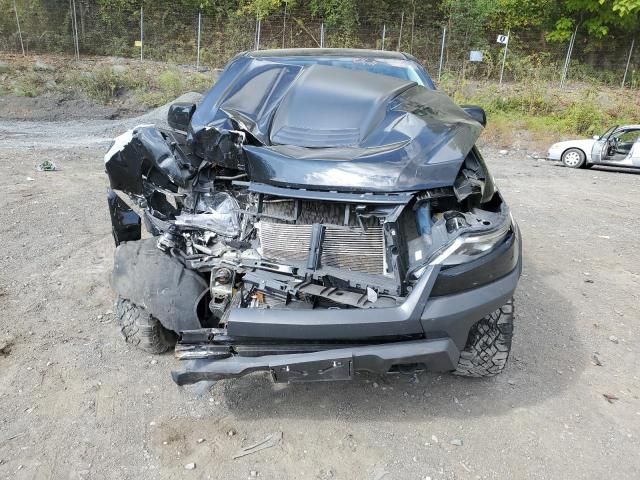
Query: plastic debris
column 271, row 441
column 46, row 166
column 595, row 359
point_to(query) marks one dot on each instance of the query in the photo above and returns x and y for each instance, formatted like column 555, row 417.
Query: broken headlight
column 468, row 247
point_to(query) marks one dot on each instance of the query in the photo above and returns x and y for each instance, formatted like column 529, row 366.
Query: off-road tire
column 140, row 329
column 573, row 158
column 488, row 344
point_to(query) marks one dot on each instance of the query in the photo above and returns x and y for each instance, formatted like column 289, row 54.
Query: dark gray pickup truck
column 321, row 212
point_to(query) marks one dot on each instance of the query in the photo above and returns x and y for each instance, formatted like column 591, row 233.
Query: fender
column 152, row 279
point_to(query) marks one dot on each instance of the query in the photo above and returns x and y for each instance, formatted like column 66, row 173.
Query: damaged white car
column 617, row 147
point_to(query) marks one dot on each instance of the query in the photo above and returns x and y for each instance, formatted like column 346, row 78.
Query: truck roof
column 327, row 52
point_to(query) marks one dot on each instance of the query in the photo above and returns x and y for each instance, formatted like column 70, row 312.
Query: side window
column 622, row 142
column 628, row 136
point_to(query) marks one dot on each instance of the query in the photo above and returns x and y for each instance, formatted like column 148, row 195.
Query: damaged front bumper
column 427, row 330
column 325, row 365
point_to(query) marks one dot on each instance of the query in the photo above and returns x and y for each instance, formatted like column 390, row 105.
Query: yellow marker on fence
column 137, row 43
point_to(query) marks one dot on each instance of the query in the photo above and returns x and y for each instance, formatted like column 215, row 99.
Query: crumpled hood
column 331, row 128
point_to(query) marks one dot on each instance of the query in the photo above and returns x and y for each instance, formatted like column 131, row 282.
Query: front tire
column 488, row 345
column 141, row 329
column 573, row 158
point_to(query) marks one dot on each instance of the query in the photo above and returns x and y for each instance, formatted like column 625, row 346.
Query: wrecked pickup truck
column 318, row 214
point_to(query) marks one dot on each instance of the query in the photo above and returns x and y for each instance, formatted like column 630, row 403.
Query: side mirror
column 477, row 113
column 180, row 115
column 596, row 137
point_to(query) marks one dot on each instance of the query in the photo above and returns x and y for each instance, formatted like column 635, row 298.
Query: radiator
column 347, row 248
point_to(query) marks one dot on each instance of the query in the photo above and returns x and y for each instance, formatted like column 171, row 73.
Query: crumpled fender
column 152, row 279
column 160, row 155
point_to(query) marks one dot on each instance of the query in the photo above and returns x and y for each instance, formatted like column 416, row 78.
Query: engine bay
column 261, row 246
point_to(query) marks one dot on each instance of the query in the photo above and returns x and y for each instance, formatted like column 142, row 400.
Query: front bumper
column 325, row 365
column 317, row 345
column 555, row 153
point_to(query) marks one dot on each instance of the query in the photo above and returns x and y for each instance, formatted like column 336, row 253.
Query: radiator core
column 342, row 247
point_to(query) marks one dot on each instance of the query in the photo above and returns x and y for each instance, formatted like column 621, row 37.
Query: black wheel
column 573, row 158
column 488, row 344
column 139, row 328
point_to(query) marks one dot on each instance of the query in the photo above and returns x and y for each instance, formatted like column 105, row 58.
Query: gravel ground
column 77, row 402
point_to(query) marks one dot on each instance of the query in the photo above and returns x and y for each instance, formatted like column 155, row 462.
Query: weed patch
column 104, row 84
column 544, row 111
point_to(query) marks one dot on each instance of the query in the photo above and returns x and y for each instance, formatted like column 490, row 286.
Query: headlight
column 466, row 248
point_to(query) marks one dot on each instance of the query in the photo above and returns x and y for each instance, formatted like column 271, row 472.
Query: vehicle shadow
column 546, row 358
column 606, row 168
column 601, row 168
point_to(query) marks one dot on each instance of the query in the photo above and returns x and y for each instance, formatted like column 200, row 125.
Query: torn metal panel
column 223, row 147
column 160, row 156
column 124, row 221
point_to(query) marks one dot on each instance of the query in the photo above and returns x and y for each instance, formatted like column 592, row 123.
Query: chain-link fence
column 443, row 46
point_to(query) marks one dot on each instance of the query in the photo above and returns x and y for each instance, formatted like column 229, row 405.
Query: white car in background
column 619, row 146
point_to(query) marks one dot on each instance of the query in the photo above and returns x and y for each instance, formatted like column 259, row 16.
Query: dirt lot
column 76, row 402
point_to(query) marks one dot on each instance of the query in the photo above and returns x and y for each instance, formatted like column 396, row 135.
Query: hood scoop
column 329, row 107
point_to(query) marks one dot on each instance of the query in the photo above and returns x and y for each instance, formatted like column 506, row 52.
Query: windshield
column 403, row 69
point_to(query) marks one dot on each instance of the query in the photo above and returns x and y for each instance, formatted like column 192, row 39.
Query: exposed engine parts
column 262, row 249
column 212, row 195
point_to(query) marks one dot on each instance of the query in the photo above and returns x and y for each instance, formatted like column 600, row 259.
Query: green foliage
column 263, row 8
column 540, row 30
column 522, row 13
column 545, row 112
column 531, row 99
column 29, row 84
column 597, row 17
column 150, row 88
column 626, row 7
column 563, row 30
column 171, row 83
column 584, row 118
column 336, row 13
column 103, row 84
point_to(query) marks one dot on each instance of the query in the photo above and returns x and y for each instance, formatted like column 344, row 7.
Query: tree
column 598, row 17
